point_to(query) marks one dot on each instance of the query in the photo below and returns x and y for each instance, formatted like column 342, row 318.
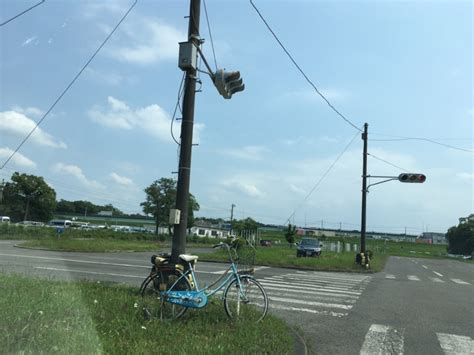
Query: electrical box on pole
column 187, row 56
column 175, row 216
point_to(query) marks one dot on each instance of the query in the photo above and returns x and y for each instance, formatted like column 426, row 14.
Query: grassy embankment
column 278, row 255
column 42, row 316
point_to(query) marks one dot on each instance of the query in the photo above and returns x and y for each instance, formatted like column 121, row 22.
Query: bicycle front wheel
column 247, row 301
column 153, row 303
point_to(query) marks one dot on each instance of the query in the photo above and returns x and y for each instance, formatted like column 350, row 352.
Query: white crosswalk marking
column 437, row 273
column 456, row 344
column 435, row 279
column 460, row 282
column 319, row 293
column 390, row 276
column 413, row 278
column 382, row 339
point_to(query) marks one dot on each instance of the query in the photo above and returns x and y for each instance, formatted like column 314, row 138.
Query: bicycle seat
column 188, row 258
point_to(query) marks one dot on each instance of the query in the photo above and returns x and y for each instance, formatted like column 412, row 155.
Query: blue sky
column 404, row 67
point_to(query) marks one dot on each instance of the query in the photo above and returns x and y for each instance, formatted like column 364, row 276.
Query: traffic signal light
column 408, row 177
column 228, row 83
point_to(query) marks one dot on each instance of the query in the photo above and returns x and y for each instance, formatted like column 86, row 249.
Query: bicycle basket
column 245, row 259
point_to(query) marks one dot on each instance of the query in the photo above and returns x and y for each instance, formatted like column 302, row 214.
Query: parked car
column 266, row 243
column 4, row 219
column 308, row 247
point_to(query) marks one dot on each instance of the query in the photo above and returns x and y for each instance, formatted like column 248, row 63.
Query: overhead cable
column 429, row 140
column 302, row 72
column 210, row 34
column 69, row 85
column 387, row 162
column 322, row 177
column 21, row 13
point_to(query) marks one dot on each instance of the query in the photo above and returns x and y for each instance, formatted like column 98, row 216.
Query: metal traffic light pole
column 187, row 123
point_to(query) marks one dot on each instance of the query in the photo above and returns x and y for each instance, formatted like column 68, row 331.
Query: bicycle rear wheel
column 248, row 301
column 153, row 303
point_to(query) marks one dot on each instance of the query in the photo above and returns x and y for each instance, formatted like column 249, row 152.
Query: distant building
column 105, row 213
column 436, row 238
column 202, row 230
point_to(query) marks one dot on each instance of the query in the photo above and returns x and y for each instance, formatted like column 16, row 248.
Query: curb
column 300, row 347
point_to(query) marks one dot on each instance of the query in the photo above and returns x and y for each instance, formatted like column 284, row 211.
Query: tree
column 245, row 224
column 160, row 198
column 28, row 197
column 290, row 234
column 461, row 237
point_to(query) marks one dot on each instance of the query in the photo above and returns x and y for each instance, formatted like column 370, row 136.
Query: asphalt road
column 416, row 306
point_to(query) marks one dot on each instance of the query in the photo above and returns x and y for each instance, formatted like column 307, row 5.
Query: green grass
column 47, row 317
column 286, row 257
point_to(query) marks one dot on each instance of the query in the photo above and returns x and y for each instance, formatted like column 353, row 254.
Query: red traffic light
column 412, row 178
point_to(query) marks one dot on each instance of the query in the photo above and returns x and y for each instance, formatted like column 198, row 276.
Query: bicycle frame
column 198, row 298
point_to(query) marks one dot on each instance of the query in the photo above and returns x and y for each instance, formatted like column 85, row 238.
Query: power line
column 322, row 177
column 21, row 13
column 387, row 162
column 302, row 72
column 210, row 34
column 70, row 84
column 429, row 140
column 180, row 93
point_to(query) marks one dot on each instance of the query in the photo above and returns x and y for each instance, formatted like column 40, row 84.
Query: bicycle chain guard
column 192, row 299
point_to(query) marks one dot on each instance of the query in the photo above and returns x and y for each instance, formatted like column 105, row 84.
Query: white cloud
column 28, row 41
column 467, row 176
column 108, row 78
column 246, row 153
column 310, row 95
column 29, row 111
column 121, row 180
column 247, row 187
column 76, row 172
column 20, row 125
column 18, row 159
column 153, row 41
column 152, row 119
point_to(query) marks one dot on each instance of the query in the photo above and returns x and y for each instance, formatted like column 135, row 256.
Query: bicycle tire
column 153, row 304
column 249, row 304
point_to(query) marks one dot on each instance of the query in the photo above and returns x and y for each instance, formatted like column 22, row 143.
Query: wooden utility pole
column 187, row 123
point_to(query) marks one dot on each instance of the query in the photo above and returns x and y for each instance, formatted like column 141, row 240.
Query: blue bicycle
column 171, row 289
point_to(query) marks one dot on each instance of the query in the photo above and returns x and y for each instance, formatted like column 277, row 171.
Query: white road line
column 308, row 296
column 456, row 344
column 381, row 339
column 73, row 260
column 426, row 267
column 334, row 276
column 285, row 285
column 261, row 268
column 88, row 272
column 435, row 279
column 313, row 283
column 437, row 273
column 300, row 291
column 319, row 280
column 308, row 310
column 413, row 278
column 460, row 282
column 309, row 303
column 390, row 276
